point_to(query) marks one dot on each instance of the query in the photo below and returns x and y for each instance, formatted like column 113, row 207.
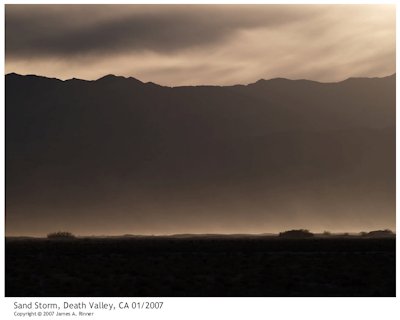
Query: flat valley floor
column 200, row 267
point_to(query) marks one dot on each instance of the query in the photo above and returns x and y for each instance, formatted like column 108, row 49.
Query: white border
column 222, row 308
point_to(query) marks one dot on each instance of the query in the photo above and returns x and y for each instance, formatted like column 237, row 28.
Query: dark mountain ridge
column 278, row 79
column 76, row 142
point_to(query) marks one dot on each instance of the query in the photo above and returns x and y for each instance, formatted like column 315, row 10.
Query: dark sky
column 206, row 44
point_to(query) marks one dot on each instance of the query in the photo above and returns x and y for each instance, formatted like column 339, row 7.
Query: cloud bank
column 201, row 44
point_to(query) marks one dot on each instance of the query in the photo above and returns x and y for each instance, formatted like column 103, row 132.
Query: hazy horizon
column 199, row 85
column 118, row 235
column 230, row 175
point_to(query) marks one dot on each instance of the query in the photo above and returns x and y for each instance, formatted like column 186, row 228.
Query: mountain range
column 271, row 144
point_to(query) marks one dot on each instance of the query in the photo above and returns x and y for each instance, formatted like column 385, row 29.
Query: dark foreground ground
column 201, row 267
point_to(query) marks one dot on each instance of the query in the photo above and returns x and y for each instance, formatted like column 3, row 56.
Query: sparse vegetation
column 299, row 233
column 60, row 235
column 378, row 233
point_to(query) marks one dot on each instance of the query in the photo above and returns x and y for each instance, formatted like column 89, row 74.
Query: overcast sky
column 201, row 44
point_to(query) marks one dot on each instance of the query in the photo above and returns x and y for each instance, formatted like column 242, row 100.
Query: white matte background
column 214, row 308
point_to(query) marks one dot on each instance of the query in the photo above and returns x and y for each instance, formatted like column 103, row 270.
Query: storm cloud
column 201, row 44
column 67, row 30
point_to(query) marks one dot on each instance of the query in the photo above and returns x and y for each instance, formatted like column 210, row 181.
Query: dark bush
column 60, row 235
column 299, row 233
column 380, row 233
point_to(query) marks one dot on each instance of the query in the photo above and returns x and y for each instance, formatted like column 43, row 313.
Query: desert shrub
column 61, row 235
column 299, row 233
column 380, row 233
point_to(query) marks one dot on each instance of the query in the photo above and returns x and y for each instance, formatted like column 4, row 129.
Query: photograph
column 200, row 150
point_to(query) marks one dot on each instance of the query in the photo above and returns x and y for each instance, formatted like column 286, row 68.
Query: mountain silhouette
column 78, row 141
